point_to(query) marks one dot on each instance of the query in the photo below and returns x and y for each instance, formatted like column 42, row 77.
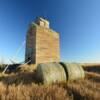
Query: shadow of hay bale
column 20, row 78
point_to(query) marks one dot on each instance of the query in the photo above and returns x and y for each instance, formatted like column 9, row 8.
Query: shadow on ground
column 92, row 69
column 20, row 78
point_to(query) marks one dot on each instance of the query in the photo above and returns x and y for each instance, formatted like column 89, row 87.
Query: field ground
column 22, row 86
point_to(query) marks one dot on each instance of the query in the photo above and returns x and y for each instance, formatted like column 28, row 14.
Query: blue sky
column 77, row 21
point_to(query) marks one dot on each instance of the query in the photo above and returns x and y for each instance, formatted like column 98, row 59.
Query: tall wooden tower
column 42, row 43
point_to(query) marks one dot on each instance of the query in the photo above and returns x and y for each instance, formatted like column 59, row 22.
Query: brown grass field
column 22, row 86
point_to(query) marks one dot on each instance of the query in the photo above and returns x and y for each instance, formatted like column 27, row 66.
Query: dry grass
column 93, row 76
column 27, row 68
column 2, row 66
column 32, row 92
column 85, row 90
column 23, row 86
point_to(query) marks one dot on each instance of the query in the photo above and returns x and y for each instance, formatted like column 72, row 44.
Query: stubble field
column 22, row 86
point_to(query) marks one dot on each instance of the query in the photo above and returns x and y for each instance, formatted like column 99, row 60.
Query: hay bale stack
column 73, row 71
column 49, row 73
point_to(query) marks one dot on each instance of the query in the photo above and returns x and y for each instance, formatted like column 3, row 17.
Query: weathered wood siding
column 42, row 44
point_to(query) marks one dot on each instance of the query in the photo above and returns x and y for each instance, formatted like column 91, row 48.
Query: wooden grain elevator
column 42, row 43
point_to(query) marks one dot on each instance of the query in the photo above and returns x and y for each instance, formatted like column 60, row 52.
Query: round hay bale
column 49, row 73
column 73, row 71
